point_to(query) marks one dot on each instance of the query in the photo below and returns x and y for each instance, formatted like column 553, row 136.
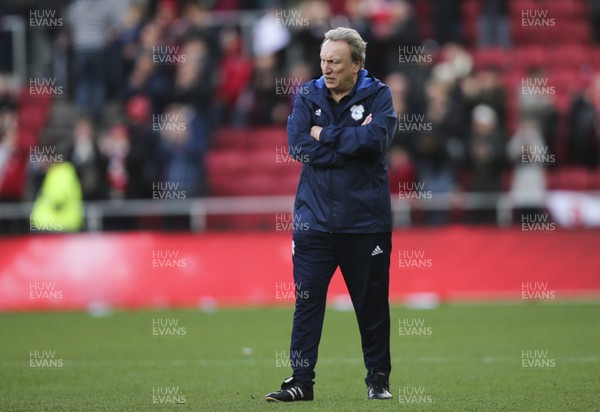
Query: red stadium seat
column 572, row 32
column 521, row 34
column 276, row 160
column 573, row 9
column 572, row 178
column 223, row 185
column 470, row 13
column 252, row 163
column 526, row 57
column 594, row 53
column 268, row 136
column 596, row 179
column 569, row 56
column 230, row 138
column 492, row 56
column 517, row 5
column 227, row 162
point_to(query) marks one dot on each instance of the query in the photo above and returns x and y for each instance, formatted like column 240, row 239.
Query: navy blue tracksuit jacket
column 343, row 185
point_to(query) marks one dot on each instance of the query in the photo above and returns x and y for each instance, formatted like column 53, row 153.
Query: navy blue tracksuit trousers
column 364, row 260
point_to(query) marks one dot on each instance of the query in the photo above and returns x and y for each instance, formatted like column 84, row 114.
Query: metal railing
column 200, row 208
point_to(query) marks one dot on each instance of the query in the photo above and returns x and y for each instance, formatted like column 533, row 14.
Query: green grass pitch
column 453, row 358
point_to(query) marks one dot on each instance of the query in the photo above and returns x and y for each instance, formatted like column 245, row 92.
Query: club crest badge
column 357, row 111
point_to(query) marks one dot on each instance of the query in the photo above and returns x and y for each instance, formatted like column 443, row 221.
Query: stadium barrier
column 140, row 269
column 198, row 209
column 560, row 203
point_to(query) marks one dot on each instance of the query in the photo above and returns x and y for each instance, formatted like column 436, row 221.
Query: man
column 90, row 23
column 340, row 128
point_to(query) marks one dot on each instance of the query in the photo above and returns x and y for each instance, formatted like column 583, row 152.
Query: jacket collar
column 365, row 86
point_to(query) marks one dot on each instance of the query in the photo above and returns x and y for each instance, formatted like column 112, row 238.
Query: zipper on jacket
column 330, row 201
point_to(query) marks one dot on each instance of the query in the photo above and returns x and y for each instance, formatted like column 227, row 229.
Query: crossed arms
column 331, row 146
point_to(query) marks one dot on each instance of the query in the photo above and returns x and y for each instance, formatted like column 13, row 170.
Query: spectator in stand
column 356, row 13
column 91, row 23
column 142, row 163
column 528, row 186
column 433, row 159
column 13, row 166
column 114, row 145
column 128, row 44
column 198, row 23
column 449, row 102
column 234, row 75
column 147, row 77
column 7, row 145
column 308, row 38
column 167, row 19
column 455, row 64
column 194, row 78
column 58, row 205
column 7, row 96
column 264, row 89
column 9, row 150
column 401, row 171
column 540, row 107
column 493, row 25
column 127, row 18
column 182, row 148
column 594, row 9
column 485, row 87
column 13, row 158
column 269, row 37
column 269, row 41
column 486, row 156
column 583, row 144
column 445, row 101
column 394, row 25
column 447, row 20
column 300, row 73
column 89, row 162
column 400, row 87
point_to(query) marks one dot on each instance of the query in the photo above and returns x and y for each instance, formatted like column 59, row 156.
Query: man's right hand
column 367, row 120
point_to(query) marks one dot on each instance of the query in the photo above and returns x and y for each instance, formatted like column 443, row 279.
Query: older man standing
column 340, row 129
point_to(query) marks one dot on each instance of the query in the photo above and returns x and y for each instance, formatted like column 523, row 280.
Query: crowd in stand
column 180, row 70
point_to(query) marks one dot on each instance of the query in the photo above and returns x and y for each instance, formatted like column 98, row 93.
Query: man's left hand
column 315, row 132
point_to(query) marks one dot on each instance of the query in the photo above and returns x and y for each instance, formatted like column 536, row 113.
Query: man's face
column 339, row 71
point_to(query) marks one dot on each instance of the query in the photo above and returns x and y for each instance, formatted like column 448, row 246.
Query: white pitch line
column 323, row 360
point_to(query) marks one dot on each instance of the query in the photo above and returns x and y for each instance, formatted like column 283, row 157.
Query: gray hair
column 358, row 47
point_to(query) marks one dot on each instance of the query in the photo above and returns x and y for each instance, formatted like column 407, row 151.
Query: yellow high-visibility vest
column 59, row 206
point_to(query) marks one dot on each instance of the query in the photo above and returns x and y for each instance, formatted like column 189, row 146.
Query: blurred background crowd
column 142, row 90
